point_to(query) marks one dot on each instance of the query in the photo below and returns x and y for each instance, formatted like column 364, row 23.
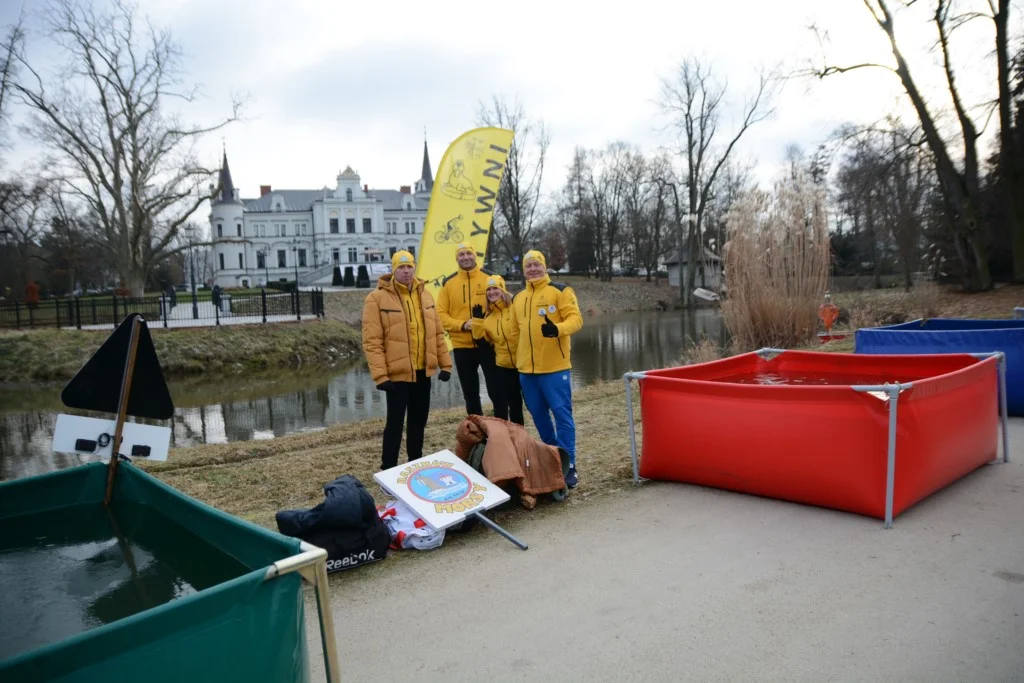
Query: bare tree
column 605, row 183
column 23, row 222
column 11, row 48
column 519, row 194
column 1010, row 164
column 694, row 99
column 958, row 174
column 116, row 147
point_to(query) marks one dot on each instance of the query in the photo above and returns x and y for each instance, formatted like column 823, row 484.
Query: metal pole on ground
column 516, row 541
column 263, row 302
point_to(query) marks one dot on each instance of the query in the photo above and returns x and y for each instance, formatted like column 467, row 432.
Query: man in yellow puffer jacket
column 461, row 299
column 498, row 328
column 546, row 315
column 404, row 346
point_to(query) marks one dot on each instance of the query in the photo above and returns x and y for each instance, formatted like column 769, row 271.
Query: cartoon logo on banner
column 439, row 483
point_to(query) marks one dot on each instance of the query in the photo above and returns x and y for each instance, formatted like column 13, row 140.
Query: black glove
column 444, row 375
column 478, row 311
column 549, row 329
column 386, row 385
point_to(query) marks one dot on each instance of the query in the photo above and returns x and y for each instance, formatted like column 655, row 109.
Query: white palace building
column 308, row 232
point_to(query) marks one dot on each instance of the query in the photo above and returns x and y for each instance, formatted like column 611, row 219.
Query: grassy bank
column 254, row 479
column 49, row 355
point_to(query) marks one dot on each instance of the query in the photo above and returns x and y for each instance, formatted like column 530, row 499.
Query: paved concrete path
column 670, row 582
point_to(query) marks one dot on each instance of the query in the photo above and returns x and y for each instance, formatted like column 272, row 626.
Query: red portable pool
column 822, row 428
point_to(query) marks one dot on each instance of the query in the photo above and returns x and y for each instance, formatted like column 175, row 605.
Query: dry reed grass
column 703, row 351
column 776, row 265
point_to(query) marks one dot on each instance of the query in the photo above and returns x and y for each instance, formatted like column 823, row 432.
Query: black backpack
column 346, row 525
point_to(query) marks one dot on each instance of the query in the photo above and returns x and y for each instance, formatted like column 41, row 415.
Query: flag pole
column 122, row 407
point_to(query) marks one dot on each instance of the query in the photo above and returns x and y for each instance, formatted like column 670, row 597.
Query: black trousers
column 412, row 398
column 508, row 403
column 466, row 363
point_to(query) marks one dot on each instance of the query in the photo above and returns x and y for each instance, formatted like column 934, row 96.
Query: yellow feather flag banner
column 462, row 202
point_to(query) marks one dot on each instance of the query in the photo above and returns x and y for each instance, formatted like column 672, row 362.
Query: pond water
column 269, row 404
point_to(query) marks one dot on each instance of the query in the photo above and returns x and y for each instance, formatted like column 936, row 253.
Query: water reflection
column 272, row 404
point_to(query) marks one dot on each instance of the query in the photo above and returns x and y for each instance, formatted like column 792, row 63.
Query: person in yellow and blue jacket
column 404, row 346
column 546, row 315
column 498, row 328
column 462, row 299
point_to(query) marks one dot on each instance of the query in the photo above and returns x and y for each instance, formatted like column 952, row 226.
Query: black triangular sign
column 97, row 386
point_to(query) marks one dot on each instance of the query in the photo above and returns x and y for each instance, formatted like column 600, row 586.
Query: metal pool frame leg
column 628, row 380
column 890, row 467
column 1003, row 410
column 892, row 392
column 311, row 564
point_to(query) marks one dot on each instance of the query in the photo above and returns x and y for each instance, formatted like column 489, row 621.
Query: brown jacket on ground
column 511, row 454
column 386, row 334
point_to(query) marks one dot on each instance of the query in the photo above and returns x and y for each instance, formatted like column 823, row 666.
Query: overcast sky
column 336, row 84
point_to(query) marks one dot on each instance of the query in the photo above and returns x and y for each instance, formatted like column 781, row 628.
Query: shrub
column 776, row 265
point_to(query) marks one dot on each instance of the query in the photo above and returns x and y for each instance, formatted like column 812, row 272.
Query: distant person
column 461, row 299
column 498, row 328
column 404, row 346
column 546, row 315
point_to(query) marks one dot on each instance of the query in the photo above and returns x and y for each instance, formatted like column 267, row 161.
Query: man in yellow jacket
column 463, row 296
column 546, row 315
column 404, row 346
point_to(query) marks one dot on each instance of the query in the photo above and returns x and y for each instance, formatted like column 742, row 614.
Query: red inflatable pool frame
column 872, row 449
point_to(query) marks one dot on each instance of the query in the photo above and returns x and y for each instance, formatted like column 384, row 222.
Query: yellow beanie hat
column 465, row 246
column 534, row 255
column 496, row 281
column 402, row 258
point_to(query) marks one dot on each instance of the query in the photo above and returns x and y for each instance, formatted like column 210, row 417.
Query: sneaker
column 571, row 480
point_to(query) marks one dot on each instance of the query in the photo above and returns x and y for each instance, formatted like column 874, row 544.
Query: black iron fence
column 177, row 310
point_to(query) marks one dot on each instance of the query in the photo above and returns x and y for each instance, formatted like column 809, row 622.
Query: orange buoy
column 828, row 313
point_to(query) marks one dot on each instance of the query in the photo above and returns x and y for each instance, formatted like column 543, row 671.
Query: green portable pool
column 154, row 587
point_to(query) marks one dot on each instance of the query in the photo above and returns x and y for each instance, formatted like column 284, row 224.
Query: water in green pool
column 70, row 570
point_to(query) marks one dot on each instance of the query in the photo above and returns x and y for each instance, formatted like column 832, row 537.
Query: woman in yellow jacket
column 404, row 345
column 546, row 314
column 498, row 328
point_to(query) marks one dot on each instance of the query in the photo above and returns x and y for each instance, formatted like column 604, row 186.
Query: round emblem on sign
column 439, row 485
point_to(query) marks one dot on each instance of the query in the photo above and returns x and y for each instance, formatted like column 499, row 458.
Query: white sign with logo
column 441, row 488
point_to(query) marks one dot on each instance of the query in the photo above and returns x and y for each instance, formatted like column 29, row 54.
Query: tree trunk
column 136, row 283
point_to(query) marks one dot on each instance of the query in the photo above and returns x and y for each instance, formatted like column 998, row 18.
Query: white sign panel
column 441, row 488
column 95, row 436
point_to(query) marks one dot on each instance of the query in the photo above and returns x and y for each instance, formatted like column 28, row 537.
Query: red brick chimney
column 366, row 188
column 405, row 189
column 264, row 190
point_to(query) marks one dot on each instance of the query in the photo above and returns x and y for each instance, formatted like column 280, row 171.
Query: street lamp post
column 295, row 258
column 192, row 274
column 266, row 268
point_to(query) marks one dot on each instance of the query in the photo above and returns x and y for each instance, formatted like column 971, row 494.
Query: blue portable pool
column 953, row 335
